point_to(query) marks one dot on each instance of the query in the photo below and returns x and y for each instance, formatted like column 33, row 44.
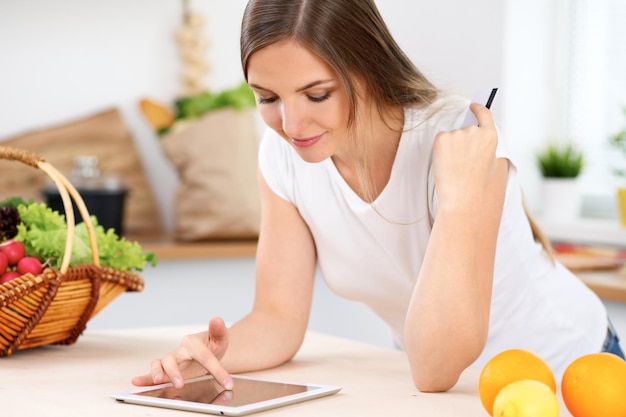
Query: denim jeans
column 611, row 343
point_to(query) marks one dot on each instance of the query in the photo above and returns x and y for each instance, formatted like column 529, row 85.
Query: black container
column 106, row 205
column 104, row 195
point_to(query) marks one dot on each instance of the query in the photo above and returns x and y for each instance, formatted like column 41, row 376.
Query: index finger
column 204, row 356
column 193, row 358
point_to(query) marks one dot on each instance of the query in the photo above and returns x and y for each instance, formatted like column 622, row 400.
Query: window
column 594, row 93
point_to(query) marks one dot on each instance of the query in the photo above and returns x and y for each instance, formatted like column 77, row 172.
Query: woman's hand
column 464, row 160
column 198, row 354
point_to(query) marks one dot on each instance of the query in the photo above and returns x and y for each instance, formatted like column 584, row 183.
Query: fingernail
column 177, row 382
column 157, row 377
column 227, row 383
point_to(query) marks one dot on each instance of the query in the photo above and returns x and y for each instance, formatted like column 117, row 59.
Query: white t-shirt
column 373, row 252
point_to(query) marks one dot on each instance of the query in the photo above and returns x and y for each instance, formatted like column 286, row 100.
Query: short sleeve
column 276, row 165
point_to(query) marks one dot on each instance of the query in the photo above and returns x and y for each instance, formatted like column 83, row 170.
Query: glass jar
column 104, row 194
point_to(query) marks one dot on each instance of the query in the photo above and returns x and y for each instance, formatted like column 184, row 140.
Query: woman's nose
column 293, row 119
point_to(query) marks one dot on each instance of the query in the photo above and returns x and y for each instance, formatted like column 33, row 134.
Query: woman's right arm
column 273, row 331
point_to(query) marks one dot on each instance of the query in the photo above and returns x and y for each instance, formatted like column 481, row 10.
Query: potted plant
column 560, row 166
column 618, row 142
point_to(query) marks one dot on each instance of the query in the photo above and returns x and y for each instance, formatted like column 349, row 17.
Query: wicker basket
column 54, row 306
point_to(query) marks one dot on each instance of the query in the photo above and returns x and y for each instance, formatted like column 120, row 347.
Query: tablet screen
column 248, row 395
column 245, row 391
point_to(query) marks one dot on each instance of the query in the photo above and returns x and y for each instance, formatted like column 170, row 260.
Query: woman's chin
column 311, row 154
column 312, row 157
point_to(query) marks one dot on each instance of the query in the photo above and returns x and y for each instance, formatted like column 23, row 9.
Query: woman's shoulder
column 274, row 152
column 276, row 164
column 446, row 112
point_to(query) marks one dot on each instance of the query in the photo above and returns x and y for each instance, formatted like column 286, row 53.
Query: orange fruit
column 595, row 385
column 510, row 366
column 526, row 398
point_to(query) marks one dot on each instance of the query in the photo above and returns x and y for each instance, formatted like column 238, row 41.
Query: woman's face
column 300, row 97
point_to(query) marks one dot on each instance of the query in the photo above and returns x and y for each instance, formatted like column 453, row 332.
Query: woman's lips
column 305, row 143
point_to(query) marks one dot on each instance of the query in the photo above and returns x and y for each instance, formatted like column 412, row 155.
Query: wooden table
column 77, row 380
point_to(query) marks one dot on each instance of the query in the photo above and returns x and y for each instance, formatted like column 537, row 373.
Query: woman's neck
column 367, row 160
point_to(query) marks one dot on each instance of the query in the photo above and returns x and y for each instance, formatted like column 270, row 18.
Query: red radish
column 14, row 251
column 8, row 276
column 29, row 264
column 4, row 263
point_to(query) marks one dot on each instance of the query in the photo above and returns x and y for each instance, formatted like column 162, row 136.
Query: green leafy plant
column 240, row 97
column 191, row 108
column 560, row 161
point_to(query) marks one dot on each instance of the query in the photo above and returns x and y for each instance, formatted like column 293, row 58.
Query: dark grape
column 9, row 219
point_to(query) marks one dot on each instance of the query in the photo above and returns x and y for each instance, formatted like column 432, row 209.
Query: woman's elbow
column 434, row 372
column 429, row 382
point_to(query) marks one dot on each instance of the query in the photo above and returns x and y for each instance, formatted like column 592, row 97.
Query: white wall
column 64, row 59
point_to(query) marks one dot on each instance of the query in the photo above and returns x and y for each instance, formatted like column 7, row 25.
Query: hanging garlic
column 193, row 46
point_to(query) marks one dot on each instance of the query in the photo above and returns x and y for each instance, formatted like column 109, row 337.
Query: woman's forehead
column 287, row 62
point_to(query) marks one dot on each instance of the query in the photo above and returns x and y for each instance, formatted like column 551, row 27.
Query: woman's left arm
column 448, row 318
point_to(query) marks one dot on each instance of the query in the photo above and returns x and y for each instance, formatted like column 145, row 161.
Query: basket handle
column 66, row 190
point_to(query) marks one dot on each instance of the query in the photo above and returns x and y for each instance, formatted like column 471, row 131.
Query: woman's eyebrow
column 312, row 84
column 306, row 87
column 257, row 87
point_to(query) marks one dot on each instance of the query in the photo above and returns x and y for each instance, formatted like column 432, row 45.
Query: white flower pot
column 561, row 200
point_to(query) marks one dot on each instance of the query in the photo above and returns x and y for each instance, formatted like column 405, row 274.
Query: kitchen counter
column 77, row 380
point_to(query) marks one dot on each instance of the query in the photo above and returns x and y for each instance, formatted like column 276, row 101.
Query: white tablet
column 204, row 395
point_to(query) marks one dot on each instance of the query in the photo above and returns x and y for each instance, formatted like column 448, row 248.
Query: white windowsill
column 605, row 232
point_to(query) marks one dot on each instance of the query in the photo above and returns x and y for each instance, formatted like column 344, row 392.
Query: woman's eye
column 319, row 99
column 315, row 99
column 268, row 100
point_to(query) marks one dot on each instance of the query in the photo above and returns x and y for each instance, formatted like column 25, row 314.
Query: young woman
column 365, row 172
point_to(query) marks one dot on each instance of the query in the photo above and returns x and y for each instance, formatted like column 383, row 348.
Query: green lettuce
column 43, row 232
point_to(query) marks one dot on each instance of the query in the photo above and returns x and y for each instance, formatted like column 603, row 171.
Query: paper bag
column 216, row 159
